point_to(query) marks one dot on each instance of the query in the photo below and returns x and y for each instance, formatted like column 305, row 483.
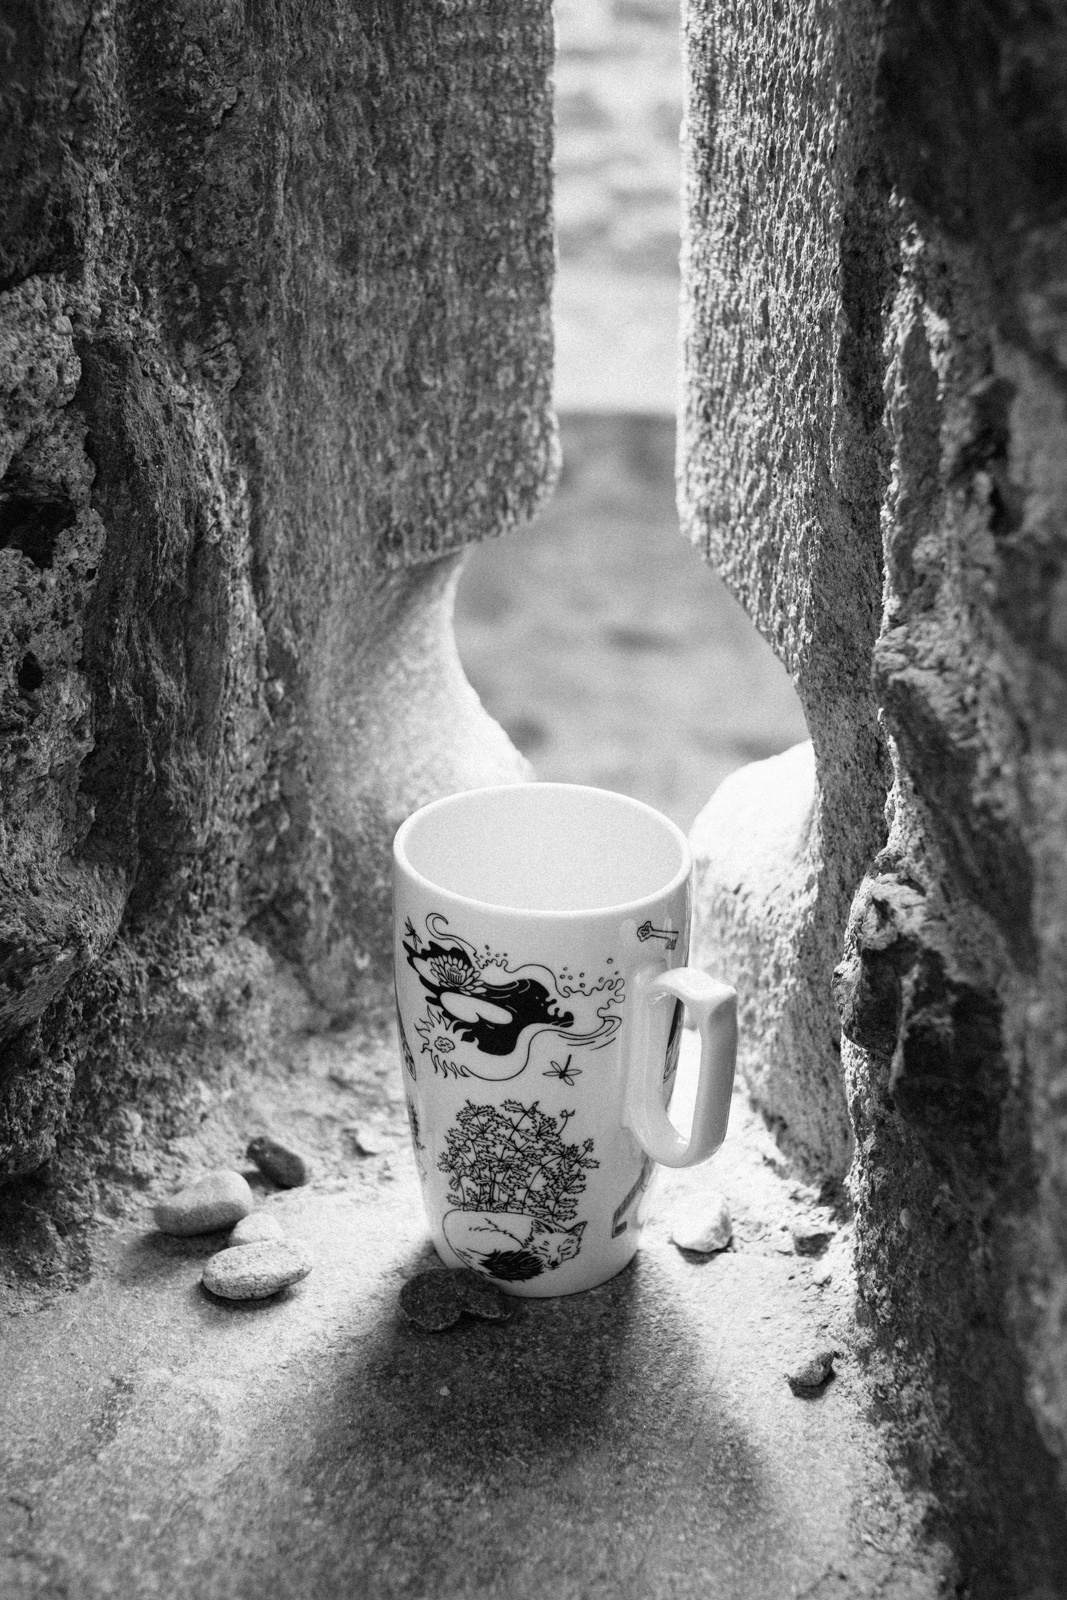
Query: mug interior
column 553, row 847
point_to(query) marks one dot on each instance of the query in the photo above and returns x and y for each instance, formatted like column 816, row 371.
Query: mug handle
column 713, row 1007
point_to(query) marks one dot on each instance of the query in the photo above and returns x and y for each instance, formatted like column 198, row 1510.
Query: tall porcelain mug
column 541, row 932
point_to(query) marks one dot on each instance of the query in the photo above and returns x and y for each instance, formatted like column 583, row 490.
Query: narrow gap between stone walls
column 608, row 650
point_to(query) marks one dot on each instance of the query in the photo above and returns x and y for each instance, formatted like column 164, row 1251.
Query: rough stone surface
column 279, row 1162
column 758, row 856
column 430, row 1301
column 780, row 463
column 875, row 456
column 635, row 1440
column 704, row 1228
column 274, row 337
column 480, row 1298
column 256, row 1271
column 813, row 1374
column 810, row 1241
column 437, row 1300
column 217, row 1200
column 256, row 1228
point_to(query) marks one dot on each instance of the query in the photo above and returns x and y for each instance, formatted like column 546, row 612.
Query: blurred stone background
column 607, row 649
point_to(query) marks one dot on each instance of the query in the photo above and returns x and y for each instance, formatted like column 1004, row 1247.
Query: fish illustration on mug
column 482, row 1015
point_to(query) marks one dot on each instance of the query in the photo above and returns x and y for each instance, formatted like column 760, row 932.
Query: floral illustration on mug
column 515, row 1186
column 483, row 1014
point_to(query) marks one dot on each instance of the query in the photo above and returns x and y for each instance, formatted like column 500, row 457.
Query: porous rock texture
column 755, row 885
column 874, row 454
column 274, row 346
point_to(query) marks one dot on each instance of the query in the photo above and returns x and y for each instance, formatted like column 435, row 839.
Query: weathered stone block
column 786, row 258
column 274, row 327
column 756, row 849
column 874, row 456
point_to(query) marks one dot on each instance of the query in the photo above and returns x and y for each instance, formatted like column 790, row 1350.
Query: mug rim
column 674, row 883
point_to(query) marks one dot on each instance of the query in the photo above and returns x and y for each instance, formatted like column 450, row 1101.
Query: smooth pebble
column 279, row 1162
column 812, row 1376
column 370, row 1141
column 217, row 1200
column 255, row 1271
column 255, row 1229
column 702, row 1225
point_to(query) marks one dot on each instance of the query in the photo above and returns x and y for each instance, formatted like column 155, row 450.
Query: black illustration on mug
column 565, row 1071
column 483, row 1014
column 405, row 1048
column 514, row 1184
column 417, row 1144
column 669, row 935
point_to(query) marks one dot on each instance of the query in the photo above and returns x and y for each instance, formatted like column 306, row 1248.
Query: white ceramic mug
column 540, row 936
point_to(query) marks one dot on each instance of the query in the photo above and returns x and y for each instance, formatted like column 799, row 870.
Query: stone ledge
column 639, row 1438
column 754, row 904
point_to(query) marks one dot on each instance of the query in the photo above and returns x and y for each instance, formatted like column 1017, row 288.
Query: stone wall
column 618, row 82
column 874, row 456
column 274, row 322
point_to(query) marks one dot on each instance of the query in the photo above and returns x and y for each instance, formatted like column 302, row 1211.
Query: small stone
column 370, row 1141
column 437, row 1299
column 481, row 1298
column 702, row 1225
column 217, row 1200
column 255, row 1229
column 811, row 1241
column 279, row 1162
column 812, row 1376
column 821, row 1278
column 431, row 1300
column 255, row 1271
